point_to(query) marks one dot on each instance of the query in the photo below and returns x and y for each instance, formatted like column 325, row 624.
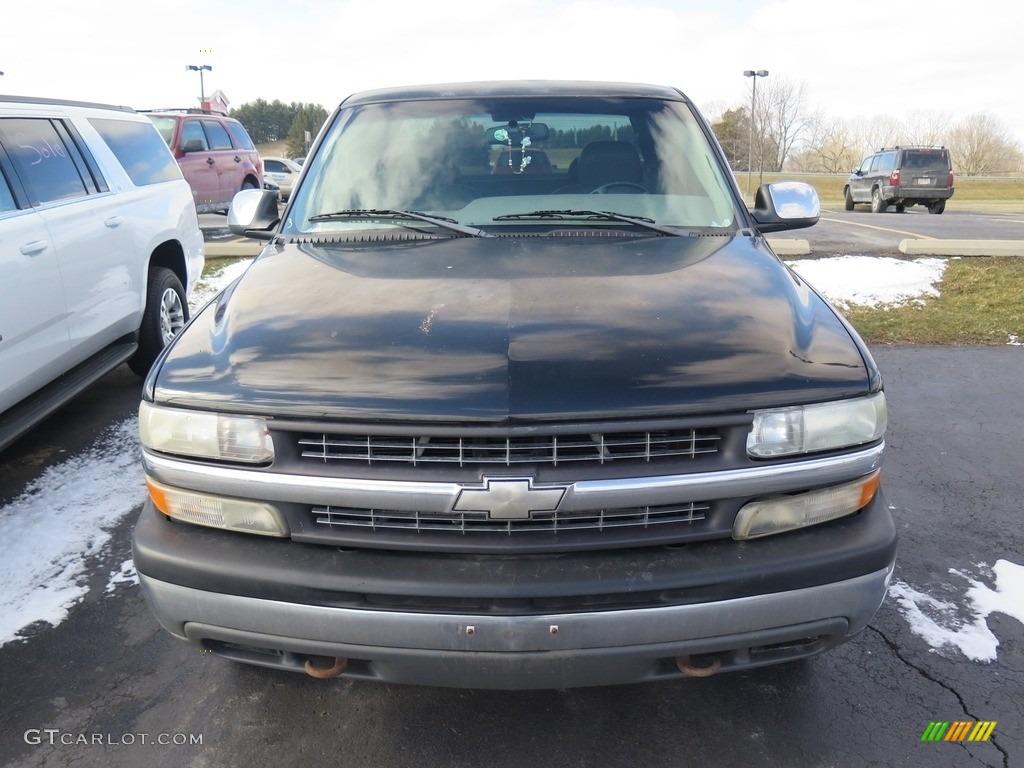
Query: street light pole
column 200, row 68
column 754, row 73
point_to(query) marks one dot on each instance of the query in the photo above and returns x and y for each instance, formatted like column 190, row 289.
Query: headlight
column 820, row 427
column 787, row 513
column 217, row 511
column 205, row 435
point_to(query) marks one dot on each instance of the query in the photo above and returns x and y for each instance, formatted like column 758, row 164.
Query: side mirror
column 253, row 213
column 193, row 145
column 783, row 205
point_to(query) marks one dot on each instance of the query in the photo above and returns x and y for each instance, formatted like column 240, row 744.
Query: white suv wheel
column 172, row 315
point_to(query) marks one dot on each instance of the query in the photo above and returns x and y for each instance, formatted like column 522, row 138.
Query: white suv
column 99, row 246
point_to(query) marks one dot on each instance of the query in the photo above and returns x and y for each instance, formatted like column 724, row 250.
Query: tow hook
column 686, row 667
column 326, row 674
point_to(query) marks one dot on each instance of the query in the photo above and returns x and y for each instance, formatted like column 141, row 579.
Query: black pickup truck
column 517, row 395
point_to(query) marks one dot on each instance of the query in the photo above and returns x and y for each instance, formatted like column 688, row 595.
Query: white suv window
column 139, row 150
column 45, row 161
column 6, row 197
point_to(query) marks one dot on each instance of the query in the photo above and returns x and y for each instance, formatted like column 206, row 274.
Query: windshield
column 476, row 161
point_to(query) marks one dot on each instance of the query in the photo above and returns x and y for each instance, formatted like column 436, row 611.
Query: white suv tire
column 166, row 314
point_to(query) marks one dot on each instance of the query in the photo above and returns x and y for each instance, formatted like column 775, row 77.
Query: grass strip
column 980, row 301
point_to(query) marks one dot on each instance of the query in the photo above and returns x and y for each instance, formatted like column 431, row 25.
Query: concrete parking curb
column 233, row 249
column 931, row 247
column 789, row 246
column 783, row 246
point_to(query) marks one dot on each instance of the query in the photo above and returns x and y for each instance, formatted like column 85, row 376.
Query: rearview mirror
column 500, row 134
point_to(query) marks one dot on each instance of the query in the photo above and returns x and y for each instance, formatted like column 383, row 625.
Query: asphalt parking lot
column 103, row 685
column 861, row 232
column 952, row 475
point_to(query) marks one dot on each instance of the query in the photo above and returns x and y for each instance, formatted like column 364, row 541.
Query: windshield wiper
column 396, row 215
column 640, row 221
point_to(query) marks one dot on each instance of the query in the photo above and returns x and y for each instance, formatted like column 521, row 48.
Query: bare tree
column 927, row 127
column 981, row 146
column 832, row 146
column 882, row 131
column 783, row 134
column 713, row 110
column 781, row 121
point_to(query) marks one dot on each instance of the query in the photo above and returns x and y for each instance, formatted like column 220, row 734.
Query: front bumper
column 542, row 621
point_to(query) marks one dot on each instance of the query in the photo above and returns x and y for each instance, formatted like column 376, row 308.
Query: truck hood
column 514, row 328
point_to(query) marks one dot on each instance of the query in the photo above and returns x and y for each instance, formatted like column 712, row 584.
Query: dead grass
column 980, row 301
column 273, row 149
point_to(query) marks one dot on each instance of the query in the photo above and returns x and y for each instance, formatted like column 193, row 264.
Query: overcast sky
column 951, row 57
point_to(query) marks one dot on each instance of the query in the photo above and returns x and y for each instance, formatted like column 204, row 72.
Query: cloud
column 949, row 58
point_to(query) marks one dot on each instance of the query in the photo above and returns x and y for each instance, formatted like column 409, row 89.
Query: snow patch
column 126, row 574
column 62, row 520
column 961, row 624
column 871, row 281
column 208, row 287
column 64, row 517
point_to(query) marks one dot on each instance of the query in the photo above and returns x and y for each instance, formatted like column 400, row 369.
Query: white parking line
column 881, row 229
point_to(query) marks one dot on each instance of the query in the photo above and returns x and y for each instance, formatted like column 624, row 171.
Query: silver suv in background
column 99, row 246
column 902, row 177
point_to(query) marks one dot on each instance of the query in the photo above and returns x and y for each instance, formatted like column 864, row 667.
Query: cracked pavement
column 952, row 473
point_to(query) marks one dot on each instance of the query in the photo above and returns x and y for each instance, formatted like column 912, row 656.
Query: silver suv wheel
column 878, row 205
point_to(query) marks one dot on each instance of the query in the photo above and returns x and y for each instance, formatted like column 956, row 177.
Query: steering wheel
column 450, row 197
column 623, row 186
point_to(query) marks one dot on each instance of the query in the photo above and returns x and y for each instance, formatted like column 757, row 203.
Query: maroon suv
column 216, row 155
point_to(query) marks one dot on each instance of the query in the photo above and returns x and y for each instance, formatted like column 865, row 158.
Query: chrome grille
column 509, row 451
column 478, row 522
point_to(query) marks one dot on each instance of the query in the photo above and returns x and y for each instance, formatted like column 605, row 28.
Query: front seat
column 609, row 162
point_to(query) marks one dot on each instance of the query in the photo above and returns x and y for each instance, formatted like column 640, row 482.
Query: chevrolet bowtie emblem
column 509, row 499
